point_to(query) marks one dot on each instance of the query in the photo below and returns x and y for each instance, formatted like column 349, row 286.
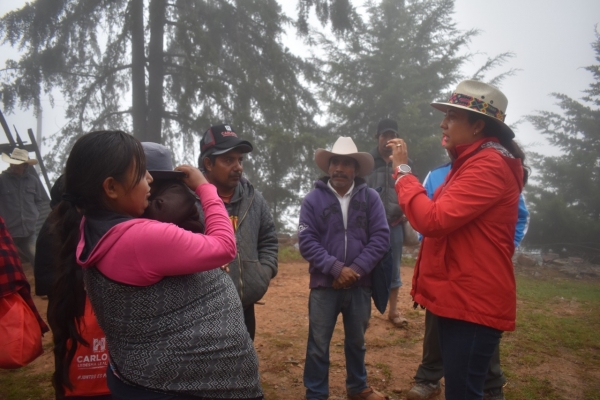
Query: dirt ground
column 282, row 328
column 393, row 354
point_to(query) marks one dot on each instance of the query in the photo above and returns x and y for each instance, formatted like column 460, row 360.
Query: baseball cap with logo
column 220, row 139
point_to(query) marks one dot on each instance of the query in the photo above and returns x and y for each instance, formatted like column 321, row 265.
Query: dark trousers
column 431, row 368
column 123, row 391
column 250, row 321
column 26, row 248
column 467, row 350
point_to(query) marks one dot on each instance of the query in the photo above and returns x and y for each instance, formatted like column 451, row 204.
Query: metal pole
column 38, row 133
column 19, row 141
column 7, row 130
column 39, row 158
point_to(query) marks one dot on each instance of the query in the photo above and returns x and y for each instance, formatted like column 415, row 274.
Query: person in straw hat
column 343, row 234
column 464, row 273
column 21, row 198
column 431, row 370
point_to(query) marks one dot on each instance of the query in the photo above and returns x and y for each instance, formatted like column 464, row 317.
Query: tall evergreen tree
column 565, row 196
column 167, row 71
column 405, row 56
column 341, row 14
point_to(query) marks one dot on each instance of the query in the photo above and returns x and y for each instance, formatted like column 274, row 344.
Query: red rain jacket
column 464, row 269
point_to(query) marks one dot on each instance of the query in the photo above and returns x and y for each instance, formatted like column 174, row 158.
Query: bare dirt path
column 282, row 329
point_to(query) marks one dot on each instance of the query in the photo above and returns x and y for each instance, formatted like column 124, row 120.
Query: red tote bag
column 20, row 333
column 87, row 371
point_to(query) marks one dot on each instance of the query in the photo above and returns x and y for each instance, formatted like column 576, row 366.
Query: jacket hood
column 98, row 233
column 375, row 153
column 379, row 161
column 243, row 189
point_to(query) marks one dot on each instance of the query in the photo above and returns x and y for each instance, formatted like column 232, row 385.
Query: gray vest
column 184, row 334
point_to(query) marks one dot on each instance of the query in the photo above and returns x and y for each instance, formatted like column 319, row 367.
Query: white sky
column 551, row 40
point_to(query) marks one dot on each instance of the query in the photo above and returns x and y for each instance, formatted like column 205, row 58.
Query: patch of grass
column 592, row 393
column 289, row 254
column 532, row 388
column 281, row 344
column 20, row 384
column 413, row 313
column 552, row 331
column 557, row 322
column 408, row 261
column 385, row 370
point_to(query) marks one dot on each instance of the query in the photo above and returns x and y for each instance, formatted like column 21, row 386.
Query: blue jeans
column 396, row 241
column 467, row 349
column 324, row 306
column 431, row 368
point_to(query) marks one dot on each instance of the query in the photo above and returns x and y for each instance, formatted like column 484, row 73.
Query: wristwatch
column 401, row 169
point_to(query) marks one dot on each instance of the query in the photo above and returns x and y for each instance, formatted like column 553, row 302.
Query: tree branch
column 104, row 117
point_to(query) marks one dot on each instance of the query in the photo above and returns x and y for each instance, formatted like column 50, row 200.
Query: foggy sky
column 551, row 40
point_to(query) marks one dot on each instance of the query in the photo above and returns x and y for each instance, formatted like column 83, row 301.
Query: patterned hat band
column 477, row 105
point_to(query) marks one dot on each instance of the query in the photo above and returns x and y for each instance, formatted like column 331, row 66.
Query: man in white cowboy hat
column 21, row 196
column 343, row 234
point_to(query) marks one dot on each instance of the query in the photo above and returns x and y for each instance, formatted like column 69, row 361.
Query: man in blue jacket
column 431, row 370
column 342, row 240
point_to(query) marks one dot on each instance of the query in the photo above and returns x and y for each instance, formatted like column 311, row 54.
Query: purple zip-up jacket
column 321, row 233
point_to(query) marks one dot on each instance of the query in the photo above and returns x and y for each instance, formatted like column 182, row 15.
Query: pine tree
column 565, row 196
column 408, row 54
column 167, row 71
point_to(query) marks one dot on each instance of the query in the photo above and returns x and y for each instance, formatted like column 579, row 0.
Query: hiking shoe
column 494, row 394
column 424, row 391
column 368, row 394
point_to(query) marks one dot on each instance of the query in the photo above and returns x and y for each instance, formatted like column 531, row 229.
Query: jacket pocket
column 434, row 261
column 30, row 190
column 256, row 280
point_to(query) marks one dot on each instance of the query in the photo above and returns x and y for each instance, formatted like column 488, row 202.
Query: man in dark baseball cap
column 220, row 139
column 381, row 180
column 221, row 157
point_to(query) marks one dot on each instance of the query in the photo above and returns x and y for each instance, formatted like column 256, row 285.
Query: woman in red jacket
column 464, row 273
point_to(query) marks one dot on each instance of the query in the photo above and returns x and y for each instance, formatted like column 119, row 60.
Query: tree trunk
column 156, row 70
column 138, row 70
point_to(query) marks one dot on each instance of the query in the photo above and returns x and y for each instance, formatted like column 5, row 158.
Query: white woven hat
column 18, row 156
column 345, row 146
column 480, row 98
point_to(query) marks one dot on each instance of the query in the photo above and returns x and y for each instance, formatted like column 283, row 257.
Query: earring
column 475, row 133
